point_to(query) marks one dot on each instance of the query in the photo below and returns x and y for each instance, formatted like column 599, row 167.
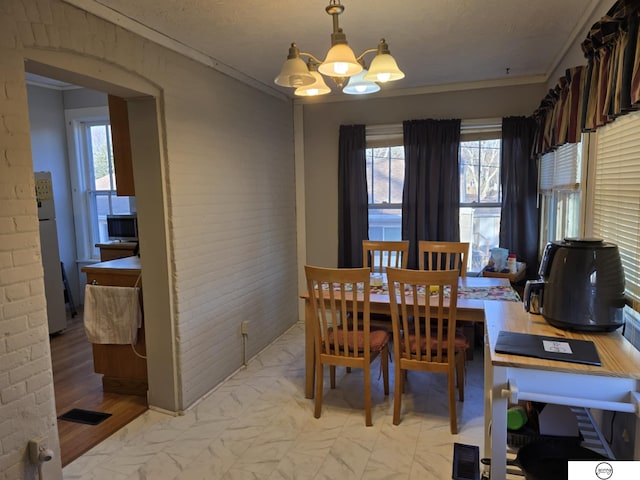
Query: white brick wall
column 231, row 213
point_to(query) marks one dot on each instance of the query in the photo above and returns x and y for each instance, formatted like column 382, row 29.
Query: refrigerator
column 53, row 282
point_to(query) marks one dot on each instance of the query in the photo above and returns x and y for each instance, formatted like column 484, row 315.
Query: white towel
column 112, row 314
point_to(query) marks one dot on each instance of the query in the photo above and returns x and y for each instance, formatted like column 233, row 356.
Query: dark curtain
column 519, row 222
column 431, row 195
column 353, row 207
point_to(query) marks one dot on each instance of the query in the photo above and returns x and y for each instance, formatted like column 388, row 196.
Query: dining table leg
column 309, row 354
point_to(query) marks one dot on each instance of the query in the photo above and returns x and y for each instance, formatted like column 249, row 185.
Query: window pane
column 469, row 172
column 381, row 185
column 489, row 173
column 101, row 158
column 480, row 171
column 397, row 177
column 480, row 226
column 385, row 223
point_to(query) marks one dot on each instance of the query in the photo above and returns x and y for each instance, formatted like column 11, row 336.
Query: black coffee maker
column 581, row 286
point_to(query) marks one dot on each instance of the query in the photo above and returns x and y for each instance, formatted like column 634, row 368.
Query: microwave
column 122, row 227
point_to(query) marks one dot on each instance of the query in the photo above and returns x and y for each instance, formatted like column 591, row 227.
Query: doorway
column 75, row 383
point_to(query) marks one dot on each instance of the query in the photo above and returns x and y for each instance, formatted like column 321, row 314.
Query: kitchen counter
column 123, row 370
column 615, row 385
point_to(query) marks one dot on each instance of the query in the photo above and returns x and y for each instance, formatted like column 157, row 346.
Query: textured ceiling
column 435, row 42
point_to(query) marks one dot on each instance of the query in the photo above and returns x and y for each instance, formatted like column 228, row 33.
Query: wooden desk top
column 124, row 265
column 619, row 358
column 117, row 245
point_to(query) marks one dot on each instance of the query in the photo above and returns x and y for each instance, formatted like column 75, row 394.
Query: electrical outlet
column 244, row 327
column 36, row 446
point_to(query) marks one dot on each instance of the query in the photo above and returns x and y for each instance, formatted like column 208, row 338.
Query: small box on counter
column 513, row 277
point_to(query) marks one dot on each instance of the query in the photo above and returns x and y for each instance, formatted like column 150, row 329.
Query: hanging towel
column 112, row 314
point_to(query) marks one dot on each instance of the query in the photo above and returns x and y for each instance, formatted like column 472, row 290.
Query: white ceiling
column 435, row 42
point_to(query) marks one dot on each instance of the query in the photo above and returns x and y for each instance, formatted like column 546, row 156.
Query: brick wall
column 230, row 197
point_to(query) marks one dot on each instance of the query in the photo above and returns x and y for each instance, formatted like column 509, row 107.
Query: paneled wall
column 226, row 173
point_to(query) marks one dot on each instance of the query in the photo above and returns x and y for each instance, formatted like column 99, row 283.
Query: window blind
column 565, row 176
column 547, row 163
column 616, row 205
column 559, row 169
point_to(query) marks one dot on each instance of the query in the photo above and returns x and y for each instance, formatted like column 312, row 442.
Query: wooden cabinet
column 124, row 371
column 113, row 250
column 120, row 137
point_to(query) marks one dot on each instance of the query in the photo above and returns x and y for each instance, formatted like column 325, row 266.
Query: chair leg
column 384, row 361
column 453, row 415
column 319, row 388
column 460, row 357
column 398, row 388
column 367, row 395
column 332, row 376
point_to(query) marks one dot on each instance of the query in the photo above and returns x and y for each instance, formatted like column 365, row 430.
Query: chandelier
column 346, row 70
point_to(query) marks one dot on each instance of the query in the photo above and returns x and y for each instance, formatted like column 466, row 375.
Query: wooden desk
column 113, row 250
column 470, row 309
column 123, row 371
column 510, row 378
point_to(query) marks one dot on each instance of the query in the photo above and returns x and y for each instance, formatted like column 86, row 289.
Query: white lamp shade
column 359, row 86
column 319, row 87
column 340, row 62
column 294, row 73
column 383, row 69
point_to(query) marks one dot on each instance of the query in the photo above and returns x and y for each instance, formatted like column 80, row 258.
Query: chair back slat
column 378, row 255
column 443, row 256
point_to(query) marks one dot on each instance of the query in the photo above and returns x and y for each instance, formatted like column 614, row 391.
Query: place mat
column 88, row 417
column 494, row 292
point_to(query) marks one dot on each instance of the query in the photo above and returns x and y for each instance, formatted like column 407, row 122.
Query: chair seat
column 460, row 343
column 377, row 338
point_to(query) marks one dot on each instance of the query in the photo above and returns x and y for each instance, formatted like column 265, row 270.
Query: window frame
column 562, row 175
column 472, row 131
column 84, row 195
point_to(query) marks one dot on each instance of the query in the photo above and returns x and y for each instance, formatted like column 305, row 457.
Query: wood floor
column 78, row 386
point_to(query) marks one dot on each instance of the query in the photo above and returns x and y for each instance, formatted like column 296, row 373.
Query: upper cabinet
column 121, row 140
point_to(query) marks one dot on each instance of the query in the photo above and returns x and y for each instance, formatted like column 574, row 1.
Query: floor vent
column 84, row 416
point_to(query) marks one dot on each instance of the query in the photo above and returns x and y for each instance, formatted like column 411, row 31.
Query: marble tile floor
column 259, row 425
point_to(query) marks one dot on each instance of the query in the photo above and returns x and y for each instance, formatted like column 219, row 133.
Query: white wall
column 226, row 178
column 49, row 153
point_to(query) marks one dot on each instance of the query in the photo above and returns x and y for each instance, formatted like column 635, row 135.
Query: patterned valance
column 590, row 96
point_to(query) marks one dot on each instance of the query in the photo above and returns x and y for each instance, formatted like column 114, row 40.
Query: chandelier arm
column 311, row 56
column 368, row 50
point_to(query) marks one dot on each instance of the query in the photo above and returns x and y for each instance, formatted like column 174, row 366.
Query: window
column 385, row 181
column 93, row 178
column 559, row 185
column 480, row 197
column 480, row 192
column 616, row 196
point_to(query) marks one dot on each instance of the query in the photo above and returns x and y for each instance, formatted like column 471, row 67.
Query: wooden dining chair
column 434, row 255
column 443, row 256
column 423, row 313
column 377, row 255
column 335, row 295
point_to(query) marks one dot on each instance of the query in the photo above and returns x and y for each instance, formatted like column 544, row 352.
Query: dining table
column 472, row 292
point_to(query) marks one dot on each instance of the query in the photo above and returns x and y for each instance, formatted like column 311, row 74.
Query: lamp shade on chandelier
column 340, row 64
